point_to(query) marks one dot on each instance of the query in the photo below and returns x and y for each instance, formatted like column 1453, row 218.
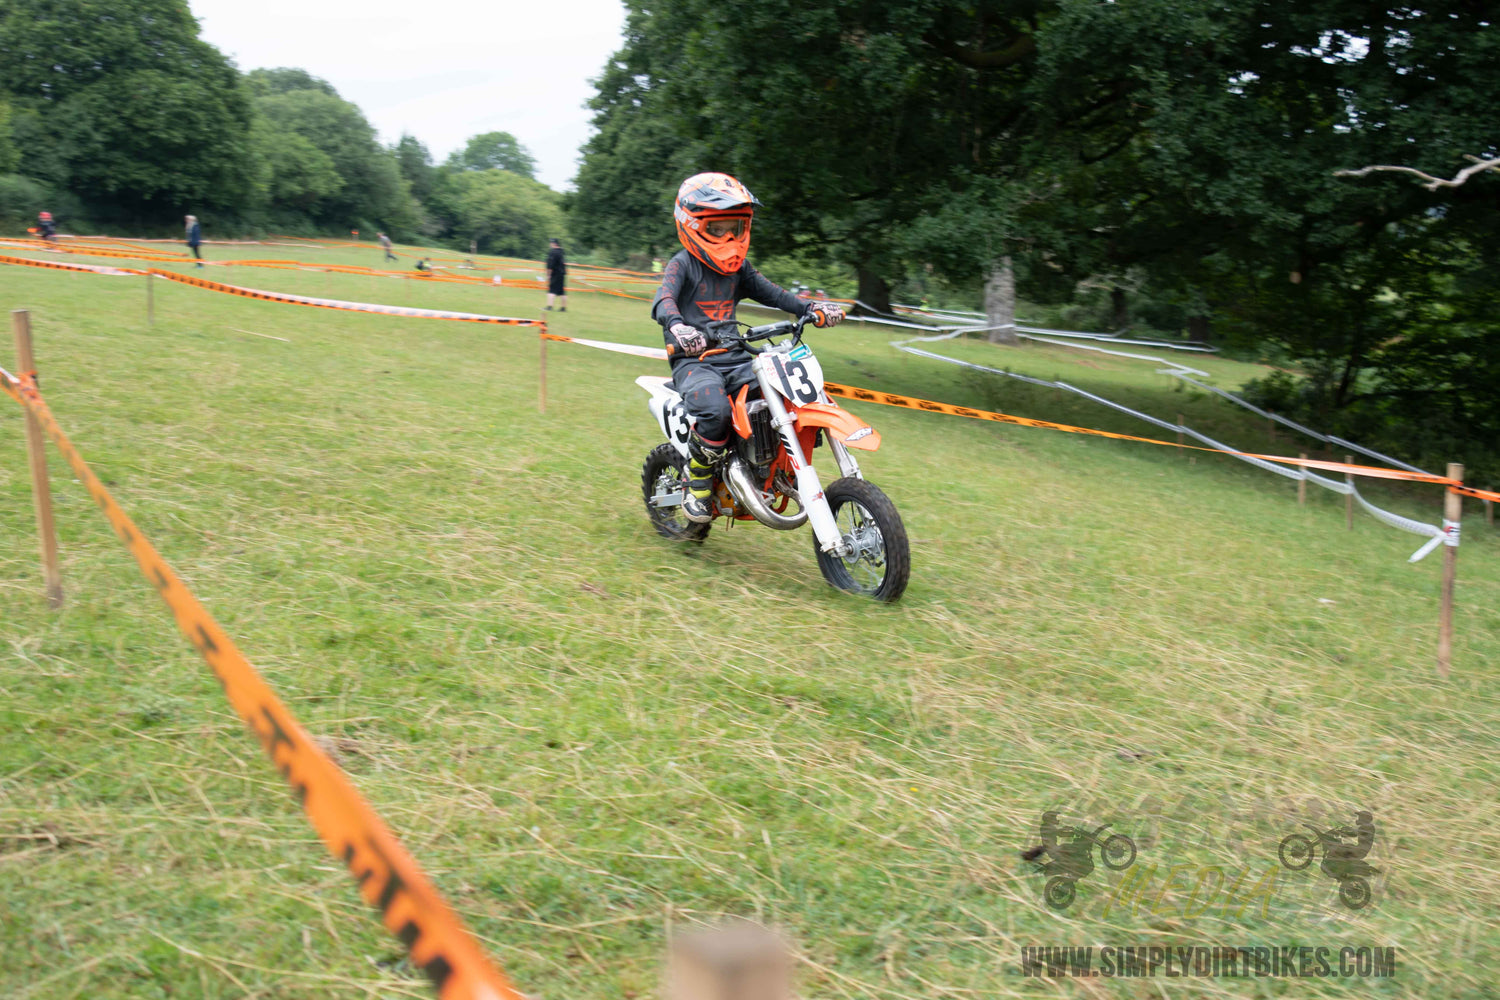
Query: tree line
column 1174, row 160
column 117, row 115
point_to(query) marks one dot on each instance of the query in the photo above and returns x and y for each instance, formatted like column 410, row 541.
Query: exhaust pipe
column 747, row 494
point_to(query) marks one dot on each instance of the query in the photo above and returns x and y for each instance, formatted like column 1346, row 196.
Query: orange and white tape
column 930, row 406
column 364, row 307
column 389, row 878
column 58, row 265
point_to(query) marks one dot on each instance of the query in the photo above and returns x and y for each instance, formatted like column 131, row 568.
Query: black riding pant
column 706, row 388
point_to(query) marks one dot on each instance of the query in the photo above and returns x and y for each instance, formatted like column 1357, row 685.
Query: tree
column 415, row 164
column 494, row 151
column 264, row 82
column 124, row 105
column 503, row 212
column 371, row 187
column 783, row 93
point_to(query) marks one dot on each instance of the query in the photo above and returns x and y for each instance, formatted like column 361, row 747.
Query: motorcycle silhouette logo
column 1069, row 862
column 1342, row 862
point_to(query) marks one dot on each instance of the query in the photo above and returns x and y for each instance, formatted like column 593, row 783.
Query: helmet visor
column 721, row 228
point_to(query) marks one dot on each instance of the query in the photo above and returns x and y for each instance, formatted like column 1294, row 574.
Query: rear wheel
column 878, row 562
column 664, row 478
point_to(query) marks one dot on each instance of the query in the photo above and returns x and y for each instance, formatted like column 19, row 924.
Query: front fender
column 845, row 428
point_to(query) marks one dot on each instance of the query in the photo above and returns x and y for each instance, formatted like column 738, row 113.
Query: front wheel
column 1296, row 852
column 877, row 562
column 663, row 485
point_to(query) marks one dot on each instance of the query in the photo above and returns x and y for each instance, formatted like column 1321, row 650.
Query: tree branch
column 1013, row 53
column 1433, row 183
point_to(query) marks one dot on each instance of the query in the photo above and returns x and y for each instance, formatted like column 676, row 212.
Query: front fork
column 809, row 489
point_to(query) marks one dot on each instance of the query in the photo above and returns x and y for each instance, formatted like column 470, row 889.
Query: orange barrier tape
column 364, row 307
column 1469, row 491
column 289, row 265
column 389, row 878
column 911, row 402
column 58, row 265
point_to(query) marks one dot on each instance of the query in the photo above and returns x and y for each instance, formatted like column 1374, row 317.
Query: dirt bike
column 1297, row 851
column 858, row 537
column 1117, row 851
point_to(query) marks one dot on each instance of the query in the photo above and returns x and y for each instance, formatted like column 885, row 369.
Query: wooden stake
column 1349, row 497
column 738, row 961
column 41, row 492
column 1180, row 448
column 1489, row 510
column 542, row 381
column 1453, row 510
column 1302, row 482
column 150, row 300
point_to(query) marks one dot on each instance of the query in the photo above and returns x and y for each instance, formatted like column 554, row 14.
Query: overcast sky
column 442, row 70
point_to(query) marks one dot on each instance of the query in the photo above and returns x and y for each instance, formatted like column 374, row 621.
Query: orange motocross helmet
column 713, row 214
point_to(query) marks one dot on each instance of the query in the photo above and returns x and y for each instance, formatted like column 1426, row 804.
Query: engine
column 759, row 449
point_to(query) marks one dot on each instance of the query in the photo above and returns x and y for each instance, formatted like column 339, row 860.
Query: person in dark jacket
column 194, row 236
column 557, row 270
column 48, row 227
column 700, row 288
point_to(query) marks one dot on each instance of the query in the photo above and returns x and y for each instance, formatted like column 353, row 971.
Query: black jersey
column 694, row 294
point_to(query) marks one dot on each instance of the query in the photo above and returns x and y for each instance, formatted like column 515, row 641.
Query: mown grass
column 589, row 736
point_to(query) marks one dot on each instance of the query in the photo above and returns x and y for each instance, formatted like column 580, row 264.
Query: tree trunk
column 1117, row 304
column 1000, row 303
column 1198, row 328
column 873, row 292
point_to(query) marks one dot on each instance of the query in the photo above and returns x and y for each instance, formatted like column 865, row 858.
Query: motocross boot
column 703, row 462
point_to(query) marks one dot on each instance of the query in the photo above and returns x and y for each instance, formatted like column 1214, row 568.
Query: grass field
column 590, row 737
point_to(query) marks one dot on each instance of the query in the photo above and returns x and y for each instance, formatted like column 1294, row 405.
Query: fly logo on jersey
column 721, row 310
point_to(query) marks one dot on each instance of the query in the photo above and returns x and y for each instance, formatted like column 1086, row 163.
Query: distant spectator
column 385, row 244
column 45, row 223
column 194, row 236
column 557, row 269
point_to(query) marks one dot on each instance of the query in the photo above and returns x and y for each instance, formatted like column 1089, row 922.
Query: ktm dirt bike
column 858, row 537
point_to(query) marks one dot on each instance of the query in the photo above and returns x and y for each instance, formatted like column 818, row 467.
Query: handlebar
column 792, row 326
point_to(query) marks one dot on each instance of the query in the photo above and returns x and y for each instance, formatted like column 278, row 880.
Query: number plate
column 799, row 379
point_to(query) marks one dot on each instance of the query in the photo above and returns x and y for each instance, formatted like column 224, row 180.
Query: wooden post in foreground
column 1302, row 482
column 542, row 370
column 738, row 961
column 41, row 492
column 1453, row 511
column 150, row 299
column 1349, row 497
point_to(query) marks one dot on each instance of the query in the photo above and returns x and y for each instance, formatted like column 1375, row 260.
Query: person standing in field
column 557, row 269
column 194, row 236
column 385, row 244
column 47, row 226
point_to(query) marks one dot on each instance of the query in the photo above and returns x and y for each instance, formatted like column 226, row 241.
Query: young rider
column 700, row 288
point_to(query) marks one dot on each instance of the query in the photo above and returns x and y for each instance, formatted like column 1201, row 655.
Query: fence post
column 150, row 299
column 542, row 370
column 1349, row 497
column 1302, row 481
column 1453, row 512
column 737, row 961
column 1180, row 449
column 41, row 492
column 1489, row 510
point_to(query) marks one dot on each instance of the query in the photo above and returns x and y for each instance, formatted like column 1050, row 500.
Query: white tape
column 1451, row 530
column 659, row 353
